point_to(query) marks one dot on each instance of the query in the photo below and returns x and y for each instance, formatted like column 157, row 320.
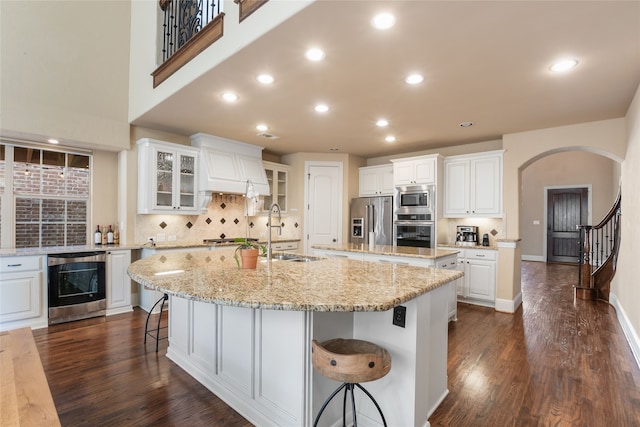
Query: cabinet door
column 187, row 182
column 20, row 296
column 425, row 171
column 451, row 264
column 118, row 282
column 456, row 189
column 481, row 279
column 164, row 179
column 403, row 173
column 386, row 181
column 281, row 180
column 369, row 182
column 486, row 186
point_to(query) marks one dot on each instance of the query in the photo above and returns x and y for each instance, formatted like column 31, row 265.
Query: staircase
column 599, row 247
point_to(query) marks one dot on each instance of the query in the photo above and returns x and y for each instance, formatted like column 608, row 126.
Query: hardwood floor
column 555, row 362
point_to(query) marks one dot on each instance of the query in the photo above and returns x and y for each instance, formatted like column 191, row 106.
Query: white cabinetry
column 451, row 263
column 23, row 292
column 240, row 355
column 479, row 284
column 284, row 246
column 277, row 177
column 473, row 185
column 376, row 180
column 167, row 178
column 118, row 282
column 415, row 170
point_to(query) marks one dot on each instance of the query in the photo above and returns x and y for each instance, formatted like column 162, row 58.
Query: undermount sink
column 293, row 257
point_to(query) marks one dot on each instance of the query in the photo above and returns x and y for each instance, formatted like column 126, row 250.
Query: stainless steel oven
column 77, row 286
column 413, row 219
column 414, row 233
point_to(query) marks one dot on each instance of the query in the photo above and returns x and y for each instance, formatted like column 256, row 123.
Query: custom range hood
column 226, row 166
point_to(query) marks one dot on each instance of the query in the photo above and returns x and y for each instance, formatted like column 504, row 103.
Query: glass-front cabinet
column 277, row 176
column 167, row 177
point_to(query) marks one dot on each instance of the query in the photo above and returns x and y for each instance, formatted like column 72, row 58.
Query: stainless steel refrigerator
column 372, row 214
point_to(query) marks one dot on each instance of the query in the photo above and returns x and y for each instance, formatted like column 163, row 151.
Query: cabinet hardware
column 14, row 265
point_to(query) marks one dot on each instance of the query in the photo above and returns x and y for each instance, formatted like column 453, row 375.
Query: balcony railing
column 183, row 19
column 189, row 27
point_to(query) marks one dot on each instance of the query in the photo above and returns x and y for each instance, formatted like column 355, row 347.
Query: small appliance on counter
column 485, row 240
column 467, row 235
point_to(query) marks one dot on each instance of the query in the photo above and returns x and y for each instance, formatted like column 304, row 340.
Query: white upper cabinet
column 376, row 180
column 473, row 185
column 277, row 177
column 414, row 170
column 167, row 178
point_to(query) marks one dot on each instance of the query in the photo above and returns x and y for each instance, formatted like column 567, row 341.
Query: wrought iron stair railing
column 599, row 247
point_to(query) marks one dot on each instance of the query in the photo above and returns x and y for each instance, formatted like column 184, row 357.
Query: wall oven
column 77, row 286
column 413, row 220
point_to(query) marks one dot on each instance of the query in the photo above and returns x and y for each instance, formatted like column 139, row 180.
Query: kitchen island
column 246, row 334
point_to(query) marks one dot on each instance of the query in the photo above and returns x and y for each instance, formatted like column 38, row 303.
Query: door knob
column 335, row 240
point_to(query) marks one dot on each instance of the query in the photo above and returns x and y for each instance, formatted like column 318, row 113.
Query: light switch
column 536, row 222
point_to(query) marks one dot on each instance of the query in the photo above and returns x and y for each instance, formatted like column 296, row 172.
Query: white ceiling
column 485, row 62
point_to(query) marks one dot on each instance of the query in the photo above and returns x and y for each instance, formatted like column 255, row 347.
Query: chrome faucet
column 269, row 226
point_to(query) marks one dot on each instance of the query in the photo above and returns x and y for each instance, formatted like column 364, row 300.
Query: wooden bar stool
column 157, row 337
column 352, row 362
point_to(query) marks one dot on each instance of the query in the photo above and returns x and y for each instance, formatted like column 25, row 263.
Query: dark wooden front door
column 566, row 208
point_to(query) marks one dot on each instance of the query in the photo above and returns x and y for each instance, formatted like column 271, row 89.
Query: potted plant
column 249, row 252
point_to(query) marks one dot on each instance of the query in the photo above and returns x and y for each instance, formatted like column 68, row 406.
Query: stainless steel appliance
column 414, row 219
column 372, row 214
column 77, row 286
column 466, row 235
column 414, row 198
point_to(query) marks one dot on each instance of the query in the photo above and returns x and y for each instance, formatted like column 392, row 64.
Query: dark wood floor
column 555, row 362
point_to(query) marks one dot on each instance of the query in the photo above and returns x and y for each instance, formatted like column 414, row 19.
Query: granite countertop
column 405, row 251
column 328, row 284
column 92, row 248
column 453, row 245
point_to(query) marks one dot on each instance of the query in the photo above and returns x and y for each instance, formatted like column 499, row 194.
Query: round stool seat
column 350, row 360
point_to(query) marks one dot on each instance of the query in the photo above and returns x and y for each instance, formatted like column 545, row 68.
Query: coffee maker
column 466, row 235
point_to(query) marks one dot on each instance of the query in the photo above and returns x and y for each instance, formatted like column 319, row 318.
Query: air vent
column 268, row 135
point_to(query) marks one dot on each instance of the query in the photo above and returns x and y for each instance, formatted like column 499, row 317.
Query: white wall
column 625, row 287
column 64, row 72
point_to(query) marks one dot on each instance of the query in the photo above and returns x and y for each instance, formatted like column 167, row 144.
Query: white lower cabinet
column 118, row 282
column 253, row 359
column 284, row 246
column 451, row 263
column 478, row 286
column 23, row 292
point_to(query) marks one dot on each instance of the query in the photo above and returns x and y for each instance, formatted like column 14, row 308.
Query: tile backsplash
column 224, row 219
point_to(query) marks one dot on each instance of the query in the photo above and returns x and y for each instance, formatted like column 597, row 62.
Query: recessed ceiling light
column 466, row 124
column 53, row 141
column 390, row 138
column 314, row 54
column 321, row 108
column 383, row 21
column 229, row 96
column 414, row 79
column 265, row 79
column 382, row 123
column 262, row 127
column 564, row 65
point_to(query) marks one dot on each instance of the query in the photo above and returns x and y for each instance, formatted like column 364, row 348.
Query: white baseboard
column 507, row 305
column 538, row 258
column 627, row 327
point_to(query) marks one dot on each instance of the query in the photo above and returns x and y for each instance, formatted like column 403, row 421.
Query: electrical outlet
column 399, row 315
column 172, row 238
column 160, row 237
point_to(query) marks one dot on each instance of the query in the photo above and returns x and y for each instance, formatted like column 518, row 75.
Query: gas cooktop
column 227, row 240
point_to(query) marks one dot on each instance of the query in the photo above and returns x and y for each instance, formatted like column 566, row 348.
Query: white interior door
column 323, row 196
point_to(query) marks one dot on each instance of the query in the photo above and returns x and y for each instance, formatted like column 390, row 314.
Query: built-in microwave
column 414, row 198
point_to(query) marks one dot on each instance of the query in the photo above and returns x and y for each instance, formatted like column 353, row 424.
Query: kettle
column 485, row 240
